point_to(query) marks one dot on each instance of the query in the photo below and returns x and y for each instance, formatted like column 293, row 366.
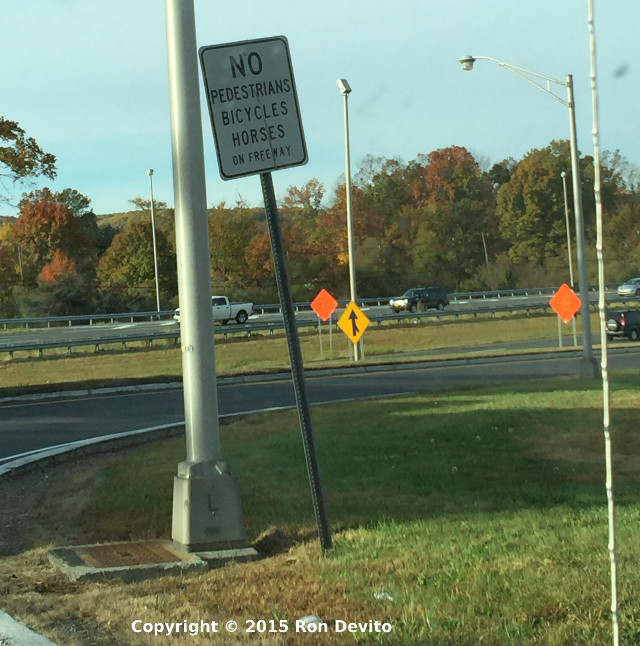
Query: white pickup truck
column 224, row 311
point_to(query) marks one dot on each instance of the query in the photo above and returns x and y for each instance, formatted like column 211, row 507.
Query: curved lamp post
column 588, row 366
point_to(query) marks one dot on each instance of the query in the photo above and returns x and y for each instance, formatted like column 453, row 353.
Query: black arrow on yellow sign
column 354, row 323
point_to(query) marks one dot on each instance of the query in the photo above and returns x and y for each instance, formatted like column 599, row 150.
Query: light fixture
column 345, row 88
column 467, row 63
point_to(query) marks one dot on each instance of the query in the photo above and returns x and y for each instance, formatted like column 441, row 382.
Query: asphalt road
column 27, row 425
column 126, row 329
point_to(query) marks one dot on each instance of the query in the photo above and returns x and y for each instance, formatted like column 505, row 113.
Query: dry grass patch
column 287, row 586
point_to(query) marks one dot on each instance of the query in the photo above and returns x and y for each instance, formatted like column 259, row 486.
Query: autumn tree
column 368, row 231
column 44, row 227
column 78, row 204
column 63, row 290
column 11, row 256
column 9, row 276
column 145, row 205
column 613, row 187
column 501, row 172
column 260, row 266
column 308, row 248
column 60, row 269
column 21, row 157
column 308, row 197
column 455, row 201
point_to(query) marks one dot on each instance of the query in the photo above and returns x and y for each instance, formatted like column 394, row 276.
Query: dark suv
column 623, row 323
column 420, row 298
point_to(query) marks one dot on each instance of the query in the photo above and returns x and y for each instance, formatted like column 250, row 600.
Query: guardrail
column 453, row 297
column 259, row 327
column 92, row 319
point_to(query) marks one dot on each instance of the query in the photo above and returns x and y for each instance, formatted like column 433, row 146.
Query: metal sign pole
column 559, row 332
column 295, row 355
column 320, row 337
column 331, row 333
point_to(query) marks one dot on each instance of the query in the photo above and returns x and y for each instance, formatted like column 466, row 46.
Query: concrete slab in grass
column 135, row 561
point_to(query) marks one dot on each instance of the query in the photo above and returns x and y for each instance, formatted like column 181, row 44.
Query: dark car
column 420, row 298
column 623, row 323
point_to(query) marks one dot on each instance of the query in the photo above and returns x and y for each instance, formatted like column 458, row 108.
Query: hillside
column 164, row 219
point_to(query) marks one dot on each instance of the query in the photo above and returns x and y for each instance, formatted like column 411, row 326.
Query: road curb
column 63, row 452
column 13, row 633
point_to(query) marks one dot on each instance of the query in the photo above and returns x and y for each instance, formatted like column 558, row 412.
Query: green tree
column 531, row 205
column 455, row 202
column 230, row 233
column 386, row 183
column 126, row 270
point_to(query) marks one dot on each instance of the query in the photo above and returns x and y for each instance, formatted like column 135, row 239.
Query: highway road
column 26, row 425
column 124, row 329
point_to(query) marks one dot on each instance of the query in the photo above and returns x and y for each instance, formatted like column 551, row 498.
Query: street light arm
column 588, row 366
column 528, row 75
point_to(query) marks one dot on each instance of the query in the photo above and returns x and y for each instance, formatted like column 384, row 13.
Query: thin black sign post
column 257, row 128
column 295, row 356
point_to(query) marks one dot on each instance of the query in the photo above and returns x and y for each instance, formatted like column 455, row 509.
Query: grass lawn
column 260, row 353
column 464, row 517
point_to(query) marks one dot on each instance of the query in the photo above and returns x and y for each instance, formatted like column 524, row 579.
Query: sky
column 88, row 79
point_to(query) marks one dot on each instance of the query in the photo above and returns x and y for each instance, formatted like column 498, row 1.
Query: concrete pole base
column 207, row 513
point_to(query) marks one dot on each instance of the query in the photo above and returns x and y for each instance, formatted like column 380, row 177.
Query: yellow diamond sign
column 353, row 322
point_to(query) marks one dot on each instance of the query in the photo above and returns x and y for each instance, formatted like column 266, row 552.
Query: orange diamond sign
column 324, row 305
column 565, row 302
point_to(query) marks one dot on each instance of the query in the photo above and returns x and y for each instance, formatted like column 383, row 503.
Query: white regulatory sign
column 253, row 106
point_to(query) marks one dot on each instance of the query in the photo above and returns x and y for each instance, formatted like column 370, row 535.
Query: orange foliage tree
column 44, row 227
column 60, row 268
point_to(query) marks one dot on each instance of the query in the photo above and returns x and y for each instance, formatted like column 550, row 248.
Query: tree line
column 443, row 218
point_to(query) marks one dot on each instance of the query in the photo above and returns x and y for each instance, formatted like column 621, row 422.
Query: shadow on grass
column 468, row 451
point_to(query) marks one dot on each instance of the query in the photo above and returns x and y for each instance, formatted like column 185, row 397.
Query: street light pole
column 566, row 218
column 588, row 365
column 207, row 513
column 345, row 90
column 155, row 246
